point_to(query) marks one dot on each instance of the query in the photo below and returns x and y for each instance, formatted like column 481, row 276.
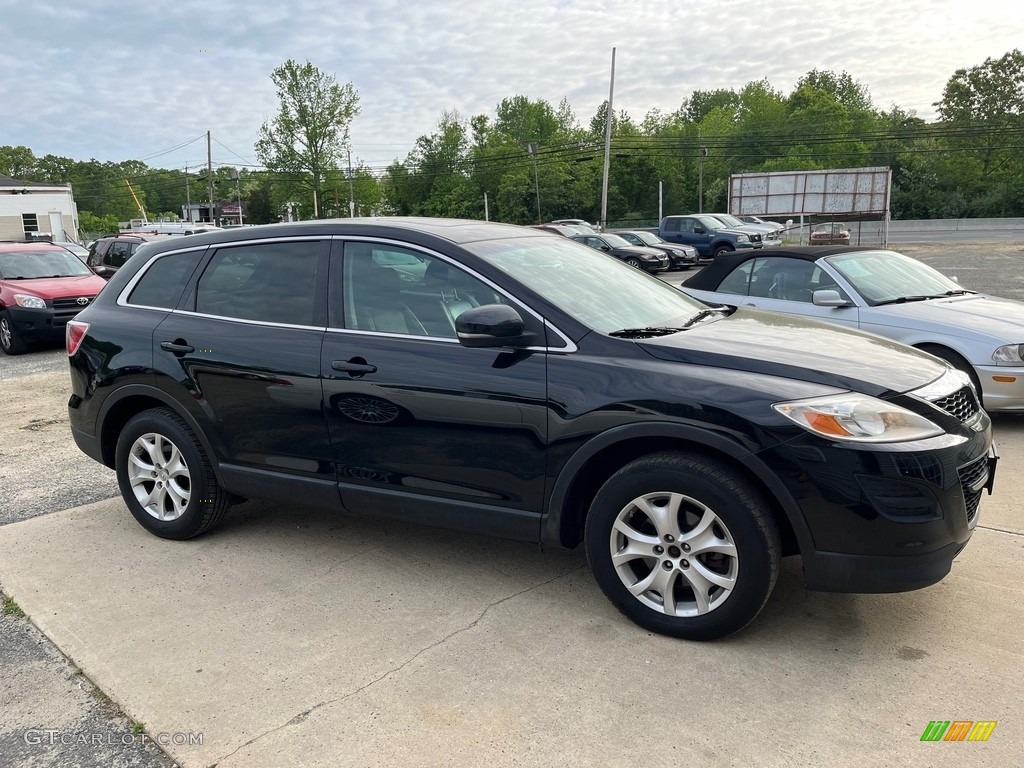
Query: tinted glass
column 270, row 282
column 119, row 253
column 394, row 290
column 161, row 285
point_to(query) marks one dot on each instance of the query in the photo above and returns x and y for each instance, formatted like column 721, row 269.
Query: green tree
column 311, row 130
column 17, row 162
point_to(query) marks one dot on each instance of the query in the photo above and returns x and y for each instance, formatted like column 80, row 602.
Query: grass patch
column 138, row 727
column 11, row 608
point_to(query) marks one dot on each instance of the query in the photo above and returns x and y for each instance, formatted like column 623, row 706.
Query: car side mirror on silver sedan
column 826, row 297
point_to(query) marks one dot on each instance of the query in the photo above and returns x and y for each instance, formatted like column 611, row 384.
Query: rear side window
column 119, row 253
column 161, row 285
column 671, row 225
column 269, row 282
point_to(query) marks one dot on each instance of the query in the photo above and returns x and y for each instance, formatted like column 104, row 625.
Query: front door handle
column 178, row 347
column 355, row 367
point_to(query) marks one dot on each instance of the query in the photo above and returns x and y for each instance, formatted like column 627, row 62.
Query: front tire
column 683, row 545
column 722, row 249
column 10, row 342
column 634, row 262
column 166, row 478
column 959, row 362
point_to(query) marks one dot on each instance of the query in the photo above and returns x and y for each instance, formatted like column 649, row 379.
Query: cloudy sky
column 117, row 81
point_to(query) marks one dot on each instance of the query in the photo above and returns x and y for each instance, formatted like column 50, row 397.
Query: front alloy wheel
column 674, row 554
column 683, row 544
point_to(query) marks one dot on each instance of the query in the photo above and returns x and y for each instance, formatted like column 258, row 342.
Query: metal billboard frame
column 836, row 192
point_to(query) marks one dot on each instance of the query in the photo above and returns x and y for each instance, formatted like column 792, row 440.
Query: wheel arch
column 951, row 355
column 128, row 402
column 585, row 472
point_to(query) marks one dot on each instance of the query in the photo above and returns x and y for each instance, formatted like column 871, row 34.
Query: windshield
column 729, row 221
column 602, row 293
column 617, row 242
column 26, row 265
column 647, row 238
column 883, row 276
column 710, row 223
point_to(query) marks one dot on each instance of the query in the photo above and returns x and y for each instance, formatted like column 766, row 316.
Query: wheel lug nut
column 667, row 565
column 658, row 549
column 686, row 547
column 669, row 538
column 685, row 563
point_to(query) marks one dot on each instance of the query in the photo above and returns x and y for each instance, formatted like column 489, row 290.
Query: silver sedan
column 886, row 293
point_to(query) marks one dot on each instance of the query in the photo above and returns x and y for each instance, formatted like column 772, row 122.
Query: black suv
column 494, row 378
column 110, row 252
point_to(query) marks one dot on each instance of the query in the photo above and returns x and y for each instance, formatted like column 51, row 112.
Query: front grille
column 971, row 476
column 963, row 404
column 755, row 238
column 65, row 309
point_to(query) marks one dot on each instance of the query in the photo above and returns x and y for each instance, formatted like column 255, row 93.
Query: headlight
column 742, row 239
column 857, row 418
column 32, row 302
column 1011, row 354
column 677, row 253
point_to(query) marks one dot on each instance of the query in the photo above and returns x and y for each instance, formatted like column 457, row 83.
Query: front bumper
column 1002, row 387
column 887, row 518
column 37, row 324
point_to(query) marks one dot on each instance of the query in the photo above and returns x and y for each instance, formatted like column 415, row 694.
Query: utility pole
column 486, row 213
column 351, row 195
column 209, row 176
column 607, row 148
column 238, row 188
column 532, row 149
column 702, row 152
column 188, row 197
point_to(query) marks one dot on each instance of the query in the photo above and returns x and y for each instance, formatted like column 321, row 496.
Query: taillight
column 74, row 334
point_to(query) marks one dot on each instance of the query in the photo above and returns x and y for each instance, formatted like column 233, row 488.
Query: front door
column 422, row 428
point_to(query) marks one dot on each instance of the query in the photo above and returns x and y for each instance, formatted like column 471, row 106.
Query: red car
column 830, row 234
column 42, row 286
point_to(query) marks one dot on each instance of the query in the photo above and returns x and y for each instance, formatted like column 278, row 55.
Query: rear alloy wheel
column 634, row 262
column 10, row 342
column 683, row 546
column 165, row 477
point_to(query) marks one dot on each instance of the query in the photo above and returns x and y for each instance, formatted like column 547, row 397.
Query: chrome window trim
column 247, row 321
column 569, row 348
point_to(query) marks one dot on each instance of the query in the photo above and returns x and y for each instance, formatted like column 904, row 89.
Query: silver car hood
column 971, row 316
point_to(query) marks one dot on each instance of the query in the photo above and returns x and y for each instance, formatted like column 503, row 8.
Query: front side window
column 389, row 289
column 269, row 282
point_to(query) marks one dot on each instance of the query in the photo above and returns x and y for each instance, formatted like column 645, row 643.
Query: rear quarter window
column 162, row 283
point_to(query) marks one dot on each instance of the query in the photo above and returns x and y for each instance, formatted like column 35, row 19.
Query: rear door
column 245, row 346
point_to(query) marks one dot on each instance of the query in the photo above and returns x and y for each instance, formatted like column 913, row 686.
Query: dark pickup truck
column 705, row 233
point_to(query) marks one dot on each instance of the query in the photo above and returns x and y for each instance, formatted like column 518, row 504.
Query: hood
column 60, row 287
column 640, row 250
column 774, row 344
column 970, row 316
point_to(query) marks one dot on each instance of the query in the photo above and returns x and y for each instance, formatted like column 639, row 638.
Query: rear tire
column 166, row 478
column 683, row 545
column 10, row 342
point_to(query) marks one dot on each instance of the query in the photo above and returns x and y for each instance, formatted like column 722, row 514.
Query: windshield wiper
column 905, row 299
column 700, row 316
column 643, row 333
column 959, row 292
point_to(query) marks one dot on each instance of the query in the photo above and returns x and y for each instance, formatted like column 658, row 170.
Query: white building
column 29, row 210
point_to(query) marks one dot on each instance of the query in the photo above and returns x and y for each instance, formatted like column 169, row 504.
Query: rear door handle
column 353, row 367
column 177, row 347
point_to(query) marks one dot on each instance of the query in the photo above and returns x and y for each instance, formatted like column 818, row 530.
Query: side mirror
column 492, row 325
column 605, row 248
column 828, row 298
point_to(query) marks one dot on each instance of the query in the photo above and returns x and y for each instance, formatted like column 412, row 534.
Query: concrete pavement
column 296, row 637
